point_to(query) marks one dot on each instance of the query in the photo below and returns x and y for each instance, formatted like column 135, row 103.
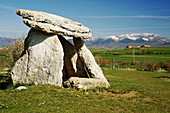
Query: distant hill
column 129, row 39
column 5, row 41
column 118, row 42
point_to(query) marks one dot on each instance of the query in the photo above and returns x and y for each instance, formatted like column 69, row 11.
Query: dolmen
column 48, row 58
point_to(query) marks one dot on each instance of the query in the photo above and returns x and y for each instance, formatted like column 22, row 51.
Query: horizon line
column 107, row 17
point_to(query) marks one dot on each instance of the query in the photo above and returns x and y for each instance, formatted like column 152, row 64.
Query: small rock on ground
column 21, row 87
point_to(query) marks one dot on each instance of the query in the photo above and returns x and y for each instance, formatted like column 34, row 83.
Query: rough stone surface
column 87, row 58
column 42, row 61
column 85, row 83
column 50, row 23
column 72, row 63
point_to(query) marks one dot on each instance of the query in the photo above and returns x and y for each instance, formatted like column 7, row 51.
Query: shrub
column 14, row 50
column 151, row 66
column 5, row 63
column 103, row 62
column 97, row 58
column 2, row 65
column 165, row 65
column 134, row 62
column 121, row 62
column 142, row 65
column 157, row 67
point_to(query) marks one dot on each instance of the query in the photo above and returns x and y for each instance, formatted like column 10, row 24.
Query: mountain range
column 5, row 41
column 118, row 42
column 128, row 39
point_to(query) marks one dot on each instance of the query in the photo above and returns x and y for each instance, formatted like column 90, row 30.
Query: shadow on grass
column 162, row 77
column 5, row 81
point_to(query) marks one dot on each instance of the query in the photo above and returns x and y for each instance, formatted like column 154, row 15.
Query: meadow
column 130, row 91
column 155, row 55
column 137, row 50
column 128, row 58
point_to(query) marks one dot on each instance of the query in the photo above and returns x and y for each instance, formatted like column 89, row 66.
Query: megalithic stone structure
column 48, row 58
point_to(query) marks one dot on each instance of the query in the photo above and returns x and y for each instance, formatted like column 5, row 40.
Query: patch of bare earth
column 125, row 95
column 147, row 99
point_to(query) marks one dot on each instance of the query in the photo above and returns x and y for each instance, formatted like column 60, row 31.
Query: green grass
column 130, row 91
column 159, row 49
column 138, row 50
column 128, row 58
column 151, row 95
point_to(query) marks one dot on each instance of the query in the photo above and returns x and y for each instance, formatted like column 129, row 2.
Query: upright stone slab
column 86, row 56
column 72, row 62
column 42, row 61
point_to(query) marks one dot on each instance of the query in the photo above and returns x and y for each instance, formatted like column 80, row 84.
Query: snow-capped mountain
column 115, row 38
column 120, row 41
column 134, row 38
column 103, row 40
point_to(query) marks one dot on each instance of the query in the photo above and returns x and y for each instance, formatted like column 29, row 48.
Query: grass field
column 130, row 91
column 137, row 50
column 128, row 58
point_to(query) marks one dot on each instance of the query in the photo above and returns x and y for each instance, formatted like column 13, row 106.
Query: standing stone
column 54, row 24
column 42, row 61
column 72, row 63
column 87, row 58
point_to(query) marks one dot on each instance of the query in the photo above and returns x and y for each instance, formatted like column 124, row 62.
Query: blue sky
column 103, row 17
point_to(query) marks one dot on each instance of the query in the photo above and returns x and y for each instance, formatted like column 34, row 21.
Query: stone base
column 85, row 83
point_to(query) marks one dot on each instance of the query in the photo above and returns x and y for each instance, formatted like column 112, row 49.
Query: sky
column 103, row 17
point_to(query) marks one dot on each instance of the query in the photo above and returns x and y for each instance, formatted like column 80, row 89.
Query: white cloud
column 11, row 8
column 93, row 17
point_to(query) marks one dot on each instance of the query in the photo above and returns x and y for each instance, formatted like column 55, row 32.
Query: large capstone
column 42, row 60
column 54, row 24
